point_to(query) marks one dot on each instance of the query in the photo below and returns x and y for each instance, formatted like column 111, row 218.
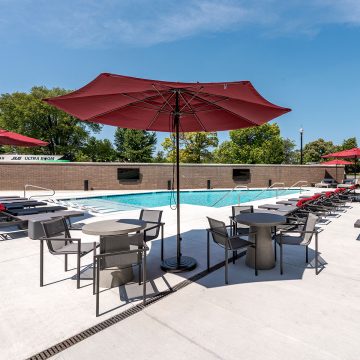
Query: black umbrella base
column 185, row 263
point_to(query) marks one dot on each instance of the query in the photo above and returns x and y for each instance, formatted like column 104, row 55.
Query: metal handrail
column 230, row 191
column 268, row 188
column 38, row 187
column 304, row 182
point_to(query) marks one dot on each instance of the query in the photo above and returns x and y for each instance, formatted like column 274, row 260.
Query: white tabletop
column 113, row 227
column 260, row 219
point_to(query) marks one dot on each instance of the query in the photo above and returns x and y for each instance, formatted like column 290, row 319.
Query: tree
column 27, row 114
column 291, row 156
column 98, row 150
column 195, row 146
column 256, row 145
column 314, row 150
column 135, row 145
column 159, row 157
column 349, row 143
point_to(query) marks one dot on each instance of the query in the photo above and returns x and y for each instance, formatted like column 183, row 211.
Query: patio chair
column 119, row 260
column 153, row 226
column 240, row 229
column 229, row 242
column 301, row 236
column 59, row 242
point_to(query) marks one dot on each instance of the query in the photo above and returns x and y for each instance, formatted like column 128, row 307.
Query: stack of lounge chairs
column 28, row 213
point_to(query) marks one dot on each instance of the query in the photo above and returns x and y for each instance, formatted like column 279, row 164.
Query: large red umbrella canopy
column 15, row 139
column 336, row 162
column 150, row 104
column 351, row 153
column 144, row 104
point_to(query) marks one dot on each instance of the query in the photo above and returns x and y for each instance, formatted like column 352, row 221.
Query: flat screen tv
column 128, row 174
column 241, row 174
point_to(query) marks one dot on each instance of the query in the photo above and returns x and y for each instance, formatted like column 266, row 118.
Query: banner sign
column 25, row 158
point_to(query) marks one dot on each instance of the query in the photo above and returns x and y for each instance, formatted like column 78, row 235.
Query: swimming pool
column 212, row 198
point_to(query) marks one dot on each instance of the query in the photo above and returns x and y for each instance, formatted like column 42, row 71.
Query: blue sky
column 299, row 54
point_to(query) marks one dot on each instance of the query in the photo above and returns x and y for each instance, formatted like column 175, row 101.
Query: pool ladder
column 230, row 191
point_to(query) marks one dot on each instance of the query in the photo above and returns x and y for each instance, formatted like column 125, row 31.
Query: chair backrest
column 55, row 228
column 241, row 209
column 218, row 231
column 309, row 226
column 152, row 217
column 120, row 243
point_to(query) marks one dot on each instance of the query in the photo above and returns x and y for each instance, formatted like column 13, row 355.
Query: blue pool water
column 215, row 198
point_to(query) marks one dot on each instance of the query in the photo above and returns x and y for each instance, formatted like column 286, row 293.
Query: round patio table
column 261, row 223
column 108, row 230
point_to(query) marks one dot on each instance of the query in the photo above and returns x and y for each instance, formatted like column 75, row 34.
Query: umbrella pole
column 178, row 263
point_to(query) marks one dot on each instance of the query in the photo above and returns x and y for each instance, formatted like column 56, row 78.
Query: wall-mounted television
column 241, row 174
column 128, row 174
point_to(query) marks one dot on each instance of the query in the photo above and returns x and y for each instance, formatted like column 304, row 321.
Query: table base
column 265, row 258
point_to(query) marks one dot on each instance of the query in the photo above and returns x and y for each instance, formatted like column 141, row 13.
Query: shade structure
column 353, row 153
column 15, row 139
column 154, row 105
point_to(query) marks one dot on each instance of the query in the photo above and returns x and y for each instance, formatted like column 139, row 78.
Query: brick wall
column 103, row 176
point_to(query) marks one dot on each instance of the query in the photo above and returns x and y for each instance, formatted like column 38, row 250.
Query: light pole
column 301, row 145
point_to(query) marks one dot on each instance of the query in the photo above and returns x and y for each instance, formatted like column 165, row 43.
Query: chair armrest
column 143, row 249
column 237, row 236
column 297, row 231
column 60, row 239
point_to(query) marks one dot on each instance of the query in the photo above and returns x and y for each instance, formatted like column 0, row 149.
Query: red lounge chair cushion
column 2, row 207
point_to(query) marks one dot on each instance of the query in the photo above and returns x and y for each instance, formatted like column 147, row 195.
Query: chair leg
column 41, row 263
column 255, row 256
column 307, row 254
column 226, row 266
column 66, row 263
column 78, row 266
column 162, row 242
column 97, row 286
column 208, row 251
column 275, row 250
column 144, row 278
column 94, row 268
column 281, row 259
column 139, row 270
column 234, row 256
column 316, row 254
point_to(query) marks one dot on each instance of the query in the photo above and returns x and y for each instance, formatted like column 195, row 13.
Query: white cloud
column 91, row 23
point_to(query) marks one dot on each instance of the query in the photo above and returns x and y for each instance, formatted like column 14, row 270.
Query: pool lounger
column 35, row 210
column 23, row 204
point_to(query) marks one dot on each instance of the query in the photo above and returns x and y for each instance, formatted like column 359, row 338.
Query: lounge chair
column 229, row 242
column 347, row 183
column 301, row 236
column 59, row 242
column 35, row 210
column 326, row 183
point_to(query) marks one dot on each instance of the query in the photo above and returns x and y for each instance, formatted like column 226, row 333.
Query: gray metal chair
column 240, row 229
column 136, row 255
column 221, row 236
column 59, row 242
column 304, row 236
column 153, row 226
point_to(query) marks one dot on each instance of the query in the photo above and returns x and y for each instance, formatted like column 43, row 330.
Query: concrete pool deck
column 297, row 315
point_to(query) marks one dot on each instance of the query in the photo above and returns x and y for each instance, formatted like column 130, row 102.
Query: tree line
column 27, row 114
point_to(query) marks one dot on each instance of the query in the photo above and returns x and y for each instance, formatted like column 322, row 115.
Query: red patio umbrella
column 15, row 139
column 336, row 162
column 135, row 103
column 353, row 153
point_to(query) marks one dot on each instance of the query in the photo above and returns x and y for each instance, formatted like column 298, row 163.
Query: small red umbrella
column 353, row 153
column 15, row 139
column 144, row 104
